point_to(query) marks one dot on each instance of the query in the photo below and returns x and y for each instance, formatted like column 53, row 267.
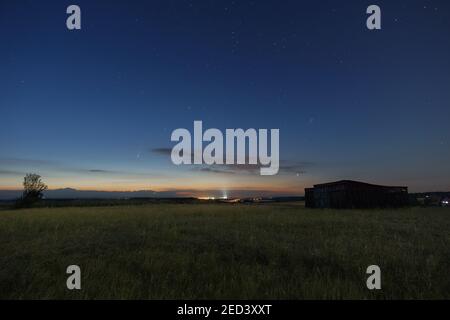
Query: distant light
column 206, row 198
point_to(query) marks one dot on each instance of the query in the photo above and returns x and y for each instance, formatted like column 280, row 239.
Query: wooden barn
column 354, row 194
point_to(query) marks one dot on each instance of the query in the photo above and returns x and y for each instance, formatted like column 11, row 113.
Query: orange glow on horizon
column 182, row 185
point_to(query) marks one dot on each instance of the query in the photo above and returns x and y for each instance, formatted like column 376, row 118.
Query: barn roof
column 354, row 183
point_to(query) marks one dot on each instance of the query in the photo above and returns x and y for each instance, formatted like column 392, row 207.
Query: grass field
column 222, row 251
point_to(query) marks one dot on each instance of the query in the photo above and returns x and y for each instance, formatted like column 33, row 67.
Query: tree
column 33, row 189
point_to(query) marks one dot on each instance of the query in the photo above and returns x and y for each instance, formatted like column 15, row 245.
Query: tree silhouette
column 33, row 189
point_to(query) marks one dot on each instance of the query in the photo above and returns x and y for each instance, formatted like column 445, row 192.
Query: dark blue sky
column 94, row 109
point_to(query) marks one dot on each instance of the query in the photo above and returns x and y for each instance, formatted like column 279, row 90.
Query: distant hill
column 10, row 194
column 69, row 193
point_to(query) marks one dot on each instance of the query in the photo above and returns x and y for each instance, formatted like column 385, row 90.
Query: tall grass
column 219, row 251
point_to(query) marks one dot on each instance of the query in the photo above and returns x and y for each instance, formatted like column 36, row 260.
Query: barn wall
column 355, row 195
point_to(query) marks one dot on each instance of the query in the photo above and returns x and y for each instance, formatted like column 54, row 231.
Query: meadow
column 224, row 251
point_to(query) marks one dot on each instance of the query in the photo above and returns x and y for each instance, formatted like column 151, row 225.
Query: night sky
column 94, row 109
